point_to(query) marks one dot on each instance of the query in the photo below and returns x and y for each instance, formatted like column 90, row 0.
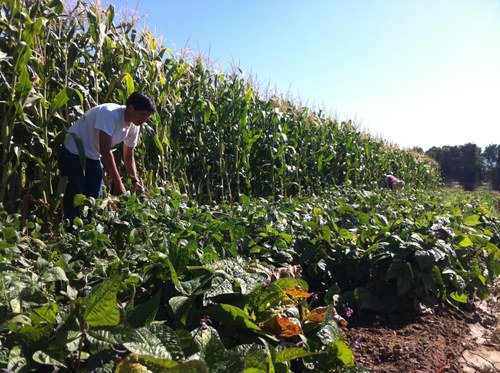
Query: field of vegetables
column 165, row 283
column 264, row 229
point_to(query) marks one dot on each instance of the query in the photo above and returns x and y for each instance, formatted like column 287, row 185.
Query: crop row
column 163, row 282
column 215, row 136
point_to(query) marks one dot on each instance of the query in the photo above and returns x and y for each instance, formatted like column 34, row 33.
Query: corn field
column 214, row 137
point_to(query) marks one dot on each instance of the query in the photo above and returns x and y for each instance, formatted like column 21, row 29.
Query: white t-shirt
column 108, row 118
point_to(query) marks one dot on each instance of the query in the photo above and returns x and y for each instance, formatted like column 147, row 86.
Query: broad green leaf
column 110, row 15
column 459, row 297
column 424, row 259
column 457, row 212
column 344, row 353
column 208, row 339
column 396, row 267
column 158, row 144
column 173, row 273
column 233, row 317
column 101, row 362
column 329, row 333
column 149, row 346
column 245, row 200
column 129, row 83
column 59, row 100
column 56, row 358
column 344, row 233
column 101, row 307
column 24, row 84
column 43, row 320
column 430, row 284
column 169, row 339
column 214, row 353
column 79, row 200
column 404, row 284
column 113, row 335
column 256, row 370
column 21, row 57
column 472, row 220
column 219, row 286
column 436, row 274
column 188, row 344
column 381, row 220
column 46, row 313
column 36, row 335
column 17, row 359
column 10, row 234
column 466, row 241
column 54, row 274
column 255, row 356
column 180, row 307
column 292, row 353
column 458, row 280
column 16, row 321
column 144, row 313
column 195, row 285
column 264, row 299
column 327, row 234
column 127, row 366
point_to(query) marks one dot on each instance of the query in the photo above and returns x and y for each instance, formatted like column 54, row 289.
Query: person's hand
column 118, row 189
column 138, row 186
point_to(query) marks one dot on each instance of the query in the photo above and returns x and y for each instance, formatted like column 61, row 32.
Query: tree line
column 468, row 164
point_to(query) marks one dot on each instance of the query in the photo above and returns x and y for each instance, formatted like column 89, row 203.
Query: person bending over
column 98, row 130
column 391, row 182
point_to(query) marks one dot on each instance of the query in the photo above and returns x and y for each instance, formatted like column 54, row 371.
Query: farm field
column 162, row 282
column 264, row 244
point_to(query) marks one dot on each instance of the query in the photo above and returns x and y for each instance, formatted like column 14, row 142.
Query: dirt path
column 485, row 354
column 445, row 340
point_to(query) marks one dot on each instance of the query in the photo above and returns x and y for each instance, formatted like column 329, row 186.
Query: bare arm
column 130, row 166
column 109, row 163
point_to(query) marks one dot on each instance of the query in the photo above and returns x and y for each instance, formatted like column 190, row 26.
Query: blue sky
column 414, row 72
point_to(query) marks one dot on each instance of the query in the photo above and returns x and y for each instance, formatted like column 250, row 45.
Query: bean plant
column 162, row 282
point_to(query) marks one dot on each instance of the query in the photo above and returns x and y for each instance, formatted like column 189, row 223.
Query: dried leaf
column 317, row 315
column 298, row 293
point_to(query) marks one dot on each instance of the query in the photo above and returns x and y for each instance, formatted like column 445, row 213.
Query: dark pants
column 88, row 184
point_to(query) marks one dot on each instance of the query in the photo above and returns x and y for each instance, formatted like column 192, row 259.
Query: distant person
column 391, row 182
column 99, row 130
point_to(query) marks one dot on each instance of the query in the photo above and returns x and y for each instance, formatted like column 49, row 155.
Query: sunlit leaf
column 472, row 220
column 297, row 293
column 317, row 315
column 101, row 307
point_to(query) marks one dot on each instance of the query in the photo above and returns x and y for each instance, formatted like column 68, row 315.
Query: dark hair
column 141, row 102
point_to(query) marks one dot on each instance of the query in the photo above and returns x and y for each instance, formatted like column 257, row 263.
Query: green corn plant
column 215, row 136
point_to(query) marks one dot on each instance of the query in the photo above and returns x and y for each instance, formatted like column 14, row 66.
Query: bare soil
column 443, row 340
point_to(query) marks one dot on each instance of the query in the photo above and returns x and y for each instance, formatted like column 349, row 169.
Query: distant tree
column 418, row 149
column 491, row 158
column 448, row 157
column 470, row 170
column 462, row 163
